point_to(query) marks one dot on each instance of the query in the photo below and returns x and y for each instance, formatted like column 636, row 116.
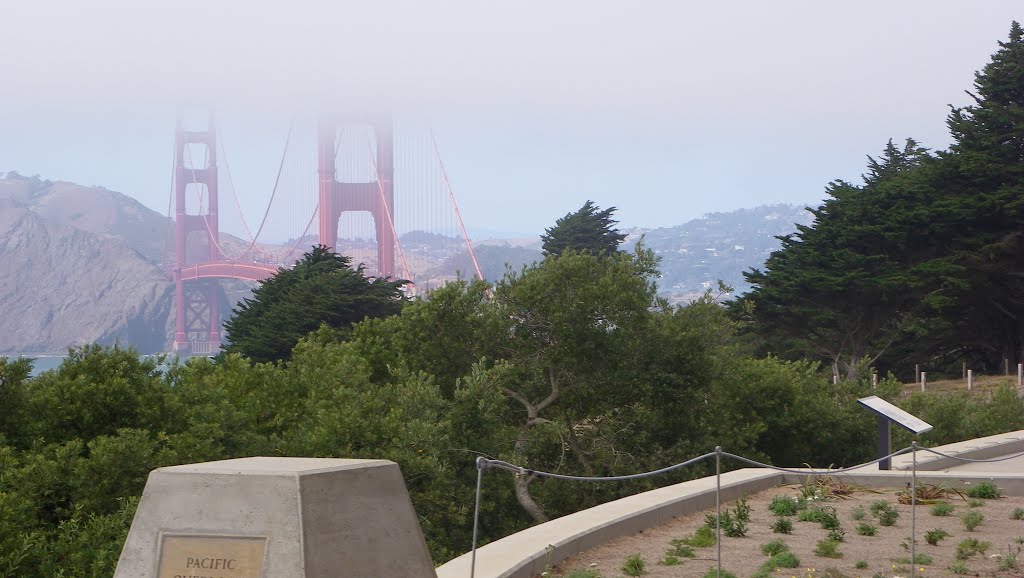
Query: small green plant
column 879, row 506
column 774, row 547
column 861, row 565
column 933, row 537
column 782, row 526
column 702, row 538
column 781, row 560
column 921, row 559
column 959, row 568
column 583, row 573
column 1017, row 514
column 888, row 517
column 680, row 550
column 783, row 506
column 972, row 520
column 858, row 513
column 1008, row 561
column 975, row 503
column 733, row 525
column 634, row 566
column 670, row 560
column 942, row 509
column 985, row 490
column 742, row 509
column 827, row 549
column 713, row 573
column 866, row 530
column 836, row 535
column 971, row 547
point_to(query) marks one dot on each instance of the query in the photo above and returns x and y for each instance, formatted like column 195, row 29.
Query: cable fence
column 483, row 464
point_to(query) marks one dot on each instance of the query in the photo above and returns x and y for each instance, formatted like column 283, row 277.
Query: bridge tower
column 376, row 197
column 197, row 319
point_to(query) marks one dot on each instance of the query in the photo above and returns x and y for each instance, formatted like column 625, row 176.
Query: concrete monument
column 276, row 518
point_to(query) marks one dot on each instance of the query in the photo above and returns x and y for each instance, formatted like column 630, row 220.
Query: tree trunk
column 522, row 484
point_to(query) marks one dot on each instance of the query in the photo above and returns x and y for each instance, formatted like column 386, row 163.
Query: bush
column 985, row 490
column 774, row 547
column 827, row 549
column 782, row 526
column 943, row 509
column 971, row 547
column 866, row 530
column 634, row 566
column 783, row 506
column 933, row 537
column 972, row 520
column 784, row 559
column 704, row 537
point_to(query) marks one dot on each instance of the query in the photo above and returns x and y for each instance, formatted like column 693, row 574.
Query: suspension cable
column 387, row 211
column 458, row 215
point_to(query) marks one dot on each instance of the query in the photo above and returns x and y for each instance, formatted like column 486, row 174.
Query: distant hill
column 718, row 246
column 85, row 264
column 63, row 286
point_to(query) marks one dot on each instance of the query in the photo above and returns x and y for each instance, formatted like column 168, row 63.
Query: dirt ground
column 881, row 552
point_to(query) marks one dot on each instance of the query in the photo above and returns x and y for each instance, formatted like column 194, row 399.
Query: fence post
column 917, row 372
column 970, row 379
column 874, row 380
column 913, row 510
column 924, row 378
column 718, row 507
column 1020, row 374
column 963, row 374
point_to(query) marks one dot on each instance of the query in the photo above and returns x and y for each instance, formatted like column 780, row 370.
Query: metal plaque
column 211, row 556
column 895, row 414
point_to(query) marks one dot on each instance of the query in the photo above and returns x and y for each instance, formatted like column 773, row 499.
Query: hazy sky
column 667, row 110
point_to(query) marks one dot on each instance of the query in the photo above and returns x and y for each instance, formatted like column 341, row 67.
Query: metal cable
column 818, row 472
column 503, row 465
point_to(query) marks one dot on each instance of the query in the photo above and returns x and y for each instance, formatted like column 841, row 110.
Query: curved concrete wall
column 526, row 554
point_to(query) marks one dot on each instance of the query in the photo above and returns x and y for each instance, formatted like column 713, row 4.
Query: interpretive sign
column 895, row 414
column 211, row 556
column 889, row 414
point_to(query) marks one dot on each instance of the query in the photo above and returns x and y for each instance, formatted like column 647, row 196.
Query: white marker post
column 970, row 379
column 924, row 379
column 887, row 414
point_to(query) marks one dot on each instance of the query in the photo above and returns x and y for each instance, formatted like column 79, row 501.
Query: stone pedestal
column 276, row 518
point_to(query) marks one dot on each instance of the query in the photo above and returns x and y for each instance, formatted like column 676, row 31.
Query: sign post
column 887, row 415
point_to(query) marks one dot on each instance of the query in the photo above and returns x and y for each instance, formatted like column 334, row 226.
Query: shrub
column 879, row 506
column 861, row 565
column 670, row 560
column 679, row 549
column 583, row 573
column 781, row 560
column 774, row 547
column 959, row 567
column 972, row 520
column 1018, row 514
column 975, row 503
column 971, row 547
column 933, row 537
column 836, row 535
column 942, row 509
column 921, row 559
column 702, row 538
column 827, row 549
column 783, row 506
column 866, row 530
column 858, row 513
column 782, row 526
column 888, row 517
column 986, row 490
column 713, row 573
column 634, row 566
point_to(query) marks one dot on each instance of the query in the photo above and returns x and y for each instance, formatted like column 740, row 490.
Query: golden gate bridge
column 368, row 185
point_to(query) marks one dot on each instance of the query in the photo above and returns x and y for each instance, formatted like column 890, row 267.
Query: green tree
column 986, row 175
column 588, row 229
column 322, row 288
column 863, row 275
